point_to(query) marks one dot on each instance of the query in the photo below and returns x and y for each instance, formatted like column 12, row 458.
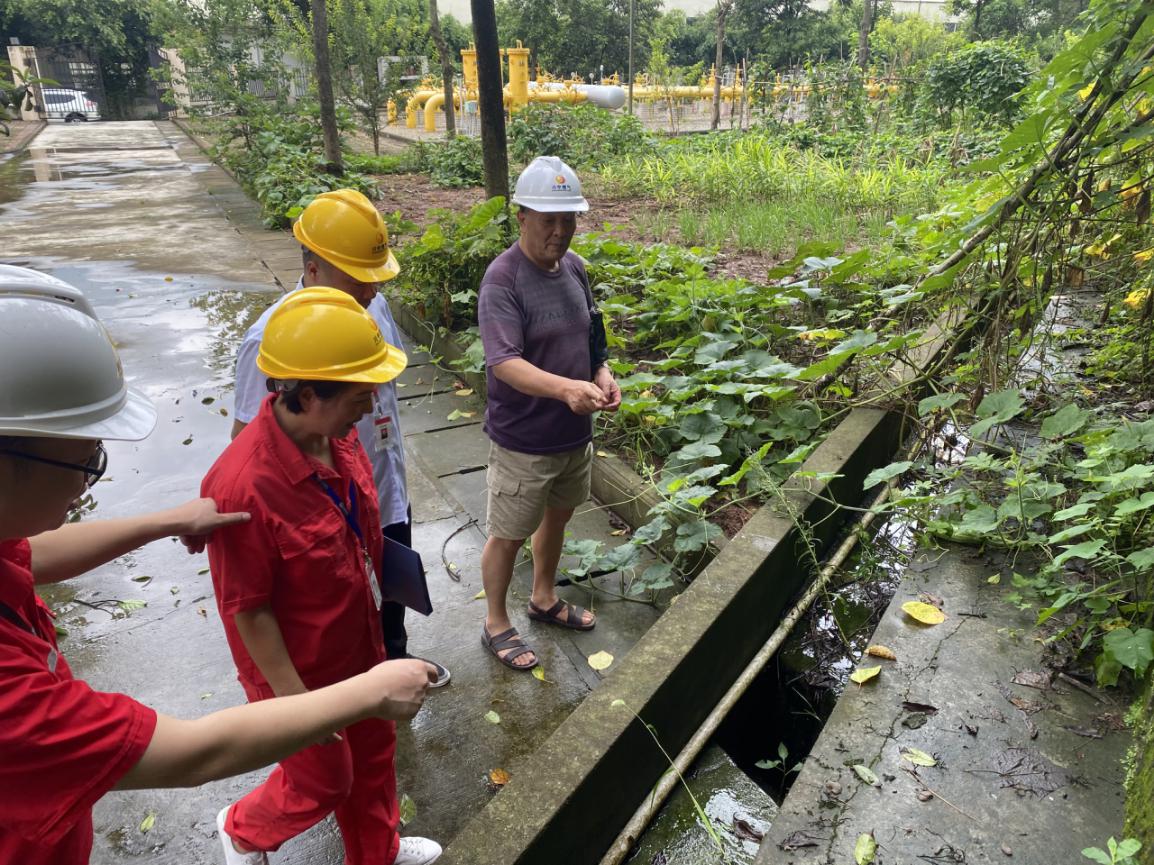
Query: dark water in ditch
column 789, row 702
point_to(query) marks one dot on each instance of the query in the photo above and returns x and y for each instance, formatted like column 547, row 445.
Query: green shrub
column 452, row 163
column 278, row 157
column 582, row 135
column 387, row 163
column 444, row 266
column 979, row 81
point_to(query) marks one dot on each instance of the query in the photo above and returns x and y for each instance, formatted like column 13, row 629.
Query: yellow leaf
column 927, row 614
column 148, row 822
column 499, row 777
column 1137, row 298
column 1144, row 256
column 863, row 674
column 168, row 279
column 881, row 652
column 480, row 596
column 918, row 758
column 492, row 717
column 1085, row 92
column 865, row 849
column 539, row 673
column 602, row 454
column 617, row 533
column 600, row 660
column 466, row 392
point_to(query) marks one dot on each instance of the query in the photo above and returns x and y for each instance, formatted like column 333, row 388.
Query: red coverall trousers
column 355, row 779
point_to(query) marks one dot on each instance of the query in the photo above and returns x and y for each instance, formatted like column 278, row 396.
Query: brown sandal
column 510, row 639
column 574, row 616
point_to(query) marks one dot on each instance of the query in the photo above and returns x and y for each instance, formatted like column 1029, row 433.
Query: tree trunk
column 324, row 74
column 863, row 34
column 723, row 7
column 446, row 68
column 490, row 98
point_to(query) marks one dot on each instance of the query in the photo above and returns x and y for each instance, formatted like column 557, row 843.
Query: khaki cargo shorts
column 522, row 485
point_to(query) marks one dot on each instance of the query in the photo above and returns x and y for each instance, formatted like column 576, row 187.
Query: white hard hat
column 26, row 282
column 549, row 185
column 60, row 375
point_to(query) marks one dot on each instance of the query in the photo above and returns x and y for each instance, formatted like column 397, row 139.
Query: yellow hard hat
column 322, row 334
column 344, row 229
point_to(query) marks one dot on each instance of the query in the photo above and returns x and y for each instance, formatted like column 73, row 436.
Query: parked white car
column 72, row 106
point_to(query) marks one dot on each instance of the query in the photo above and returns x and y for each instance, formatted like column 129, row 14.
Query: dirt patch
column 416, row 196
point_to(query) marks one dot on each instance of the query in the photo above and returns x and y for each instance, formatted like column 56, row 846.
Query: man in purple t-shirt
column 535, row 310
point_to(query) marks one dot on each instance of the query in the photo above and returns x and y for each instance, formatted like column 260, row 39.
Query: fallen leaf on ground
column 797, row 840
column 864, row 674
column 617, row 533
column 927, row 614
column 881, row 652
column 492, row 717
column 1032, row 679
column 918, row 758
column 602, row 454
column 866, row 774
column 600, row 660
column 142, row 579
column 864, row 849
column 539, row 673
column 499, row 777
column 743, row 829
column 148, row 822
column 1088, row 732
column 924, row 795
column 466, row 392
column 408, row 809
column 480, row 596
column 919, row 707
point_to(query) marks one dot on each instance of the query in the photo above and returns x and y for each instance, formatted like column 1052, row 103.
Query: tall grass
column 758, row 168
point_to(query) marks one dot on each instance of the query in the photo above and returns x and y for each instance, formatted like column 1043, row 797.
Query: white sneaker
column 415, row 851
column 232, row 856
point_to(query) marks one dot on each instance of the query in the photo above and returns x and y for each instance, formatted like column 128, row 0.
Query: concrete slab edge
column 601, row 761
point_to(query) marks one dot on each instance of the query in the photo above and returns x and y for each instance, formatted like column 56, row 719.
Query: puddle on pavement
column 177, row 338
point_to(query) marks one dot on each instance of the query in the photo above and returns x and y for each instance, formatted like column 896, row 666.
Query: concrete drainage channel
column 685, row 675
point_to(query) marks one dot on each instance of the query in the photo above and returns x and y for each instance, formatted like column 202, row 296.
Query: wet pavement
column 173, row 258
column 966, row 748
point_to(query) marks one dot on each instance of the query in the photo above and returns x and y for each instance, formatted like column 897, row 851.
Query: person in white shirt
column 346, row 246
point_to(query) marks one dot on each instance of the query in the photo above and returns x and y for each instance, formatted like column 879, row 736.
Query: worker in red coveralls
column 64, row 745
column 297, row 587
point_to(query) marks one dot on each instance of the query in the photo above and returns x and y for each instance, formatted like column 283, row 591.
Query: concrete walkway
column 174, row 258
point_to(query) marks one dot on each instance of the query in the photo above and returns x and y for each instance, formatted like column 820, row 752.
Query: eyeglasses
column 95, row 466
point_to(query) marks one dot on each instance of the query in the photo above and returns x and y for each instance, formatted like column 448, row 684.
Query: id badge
column 374, row 583
column 382, row 432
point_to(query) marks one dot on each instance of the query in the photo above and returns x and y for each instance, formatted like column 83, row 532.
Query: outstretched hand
column 401, row 687
column 196, row 520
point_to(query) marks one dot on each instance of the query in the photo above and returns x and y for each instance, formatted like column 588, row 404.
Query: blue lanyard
column 349, row 511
